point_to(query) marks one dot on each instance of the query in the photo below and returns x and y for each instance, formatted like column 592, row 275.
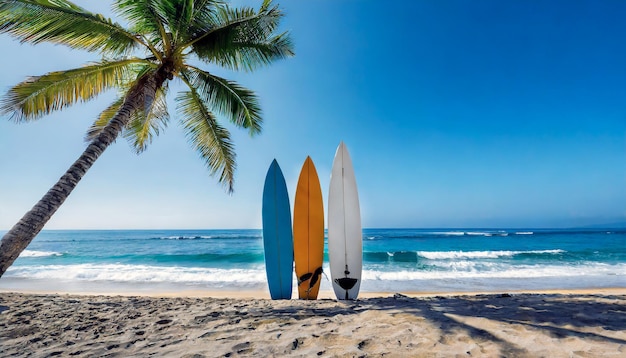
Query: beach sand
column 566, row 324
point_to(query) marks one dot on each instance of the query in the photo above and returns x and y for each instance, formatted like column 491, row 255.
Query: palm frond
column 41, row 95
column 62, row 22
column 204, row 18
column 191, row 18
column 103, row 119
column 145, row 18
column 211, row 140
column 107, row 115
column 240, row 105
column 244, row 39
column 143, row 124
column 147, row 124
column 177, row 15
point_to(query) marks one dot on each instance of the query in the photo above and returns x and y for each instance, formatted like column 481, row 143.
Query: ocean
column 394, row 260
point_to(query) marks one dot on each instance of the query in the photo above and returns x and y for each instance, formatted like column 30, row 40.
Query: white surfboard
column 345, row 240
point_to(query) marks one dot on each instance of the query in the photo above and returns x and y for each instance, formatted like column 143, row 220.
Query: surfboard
column 277, row 234
column 308, row 232
column 345, row 240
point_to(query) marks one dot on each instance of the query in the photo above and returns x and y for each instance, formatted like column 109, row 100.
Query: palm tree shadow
column 559, row 316
column 431, row 309
column 588, row 317
column 439, row 311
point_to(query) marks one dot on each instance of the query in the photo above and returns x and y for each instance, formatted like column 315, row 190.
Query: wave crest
column 35, row 253
column 451, row 255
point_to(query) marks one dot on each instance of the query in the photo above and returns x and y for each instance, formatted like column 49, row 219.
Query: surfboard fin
column 346, row 282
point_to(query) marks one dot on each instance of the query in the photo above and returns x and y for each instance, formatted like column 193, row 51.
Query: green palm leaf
column 147, row 124
column 203, row 19
column 177, row 16
column 62, row 22
column 41, row 95
column 233, row 101
column 146, row 18
column 244, row 39
column 191, row 18
column 211, row 140
column 143, row 125
column 103, row 119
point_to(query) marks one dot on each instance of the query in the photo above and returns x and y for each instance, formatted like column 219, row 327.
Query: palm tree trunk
column 21, row 235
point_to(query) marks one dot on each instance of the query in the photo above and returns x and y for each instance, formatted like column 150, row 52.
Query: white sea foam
column 448, row 255
column 476, row 233
column 447, row 233
column 524, row 271
column 187, row 237
column 34, row 253
column 487, row 233
column 458, row 275
column 524, row 233
column 452, row 255
column 138, row 273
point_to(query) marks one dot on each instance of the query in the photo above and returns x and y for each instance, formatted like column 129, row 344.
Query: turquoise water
column 396, row 260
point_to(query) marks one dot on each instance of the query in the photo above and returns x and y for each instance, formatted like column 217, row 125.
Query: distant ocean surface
column 395, row 260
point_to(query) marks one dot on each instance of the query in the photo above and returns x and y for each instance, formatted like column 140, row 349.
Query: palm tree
column 168, row 35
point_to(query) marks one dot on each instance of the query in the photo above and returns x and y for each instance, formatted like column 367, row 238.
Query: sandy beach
column 548, row 324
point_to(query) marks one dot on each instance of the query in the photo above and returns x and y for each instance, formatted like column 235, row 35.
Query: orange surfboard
column 308, row 232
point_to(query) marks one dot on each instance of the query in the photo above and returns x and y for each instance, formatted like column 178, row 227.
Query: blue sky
column 456, row 114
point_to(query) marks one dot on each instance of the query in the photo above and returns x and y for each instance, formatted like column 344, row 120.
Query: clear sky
column 456, row 114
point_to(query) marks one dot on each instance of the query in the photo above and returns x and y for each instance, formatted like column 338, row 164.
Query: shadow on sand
column 558, row 316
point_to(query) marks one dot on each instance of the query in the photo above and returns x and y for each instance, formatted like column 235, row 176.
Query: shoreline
column 323, row 294
column 564, row 324
column 173, row 289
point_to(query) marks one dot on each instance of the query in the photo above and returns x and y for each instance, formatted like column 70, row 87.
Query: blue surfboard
column 277, row 234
